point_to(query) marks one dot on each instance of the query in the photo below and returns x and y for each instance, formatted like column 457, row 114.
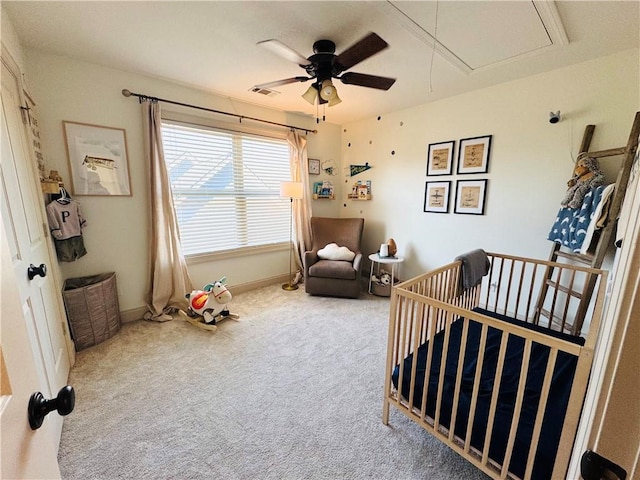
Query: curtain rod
column 141, row 97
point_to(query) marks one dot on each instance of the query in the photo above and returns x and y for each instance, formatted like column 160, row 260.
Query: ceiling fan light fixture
column 335, row 100
column 328, row 91
column 310, row 95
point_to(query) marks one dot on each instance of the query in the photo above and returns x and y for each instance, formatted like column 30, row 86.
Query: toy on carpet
column 586, row 176
column 209, row 305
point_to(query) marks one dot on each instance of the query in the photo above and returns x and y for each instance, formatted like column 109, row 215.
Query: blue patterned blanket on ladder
column 573, row 226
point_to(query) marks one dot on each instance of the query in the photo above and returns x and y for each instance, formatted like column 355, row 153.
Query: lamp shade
column 328, row 91
column 310, row 95
column 291, row 189
column 334, row 100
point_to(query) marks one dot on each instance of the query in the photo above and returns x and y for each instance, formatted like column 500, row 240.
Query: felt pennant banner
column 356, row 169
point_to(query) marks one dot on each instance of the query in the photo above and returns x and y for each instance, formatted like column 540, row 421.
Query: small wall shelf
column 353, row 196
column 360, row 190
column 323, row 197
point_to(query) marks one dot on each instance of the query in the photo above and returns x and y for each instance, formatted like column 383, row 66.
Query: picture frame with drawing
column 436, row 197
column 471, row 197
column 440, row 158
column 473, row 154
column 98, row 159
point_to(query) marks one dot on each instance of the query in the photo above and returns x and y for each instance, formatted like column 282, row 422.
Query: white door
column 25, row 453
column 26, row 235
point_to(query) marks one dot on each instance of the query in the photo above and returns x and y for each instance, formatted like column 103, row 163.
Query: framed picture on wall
column 440, row 158
column 97, row 159
column 314, row 166
column 473, row 154
column 470, row 196
column 436, row 197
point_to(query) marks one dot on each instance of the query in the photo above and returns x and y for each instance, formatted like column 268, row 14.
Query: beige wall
column 530, row 162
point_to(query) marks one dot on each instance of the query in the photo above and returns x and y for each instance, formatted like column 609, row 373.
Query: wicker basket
column 380, row 289
column 92, row 308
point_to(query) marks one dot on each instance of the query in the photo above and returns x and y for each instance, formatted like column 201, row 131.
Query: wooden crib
column 484, row 372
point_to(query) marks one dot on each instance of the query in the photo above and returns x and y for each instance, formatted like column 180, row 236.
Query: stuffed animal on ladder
column 208, row 306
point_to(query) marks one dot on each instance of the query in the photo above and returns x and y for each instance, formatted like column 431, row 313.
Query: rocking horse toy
column 209, row 305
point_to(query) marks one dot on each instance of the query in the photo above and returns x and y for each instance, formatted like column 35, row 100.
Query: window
column 226, row 187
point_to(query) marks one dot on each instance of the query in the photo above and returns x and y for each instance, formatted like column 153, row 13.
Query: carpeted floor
column 292, row 390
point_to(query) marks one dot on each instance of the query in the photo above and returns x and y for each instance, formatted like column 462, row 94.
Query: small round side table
column 377, row 259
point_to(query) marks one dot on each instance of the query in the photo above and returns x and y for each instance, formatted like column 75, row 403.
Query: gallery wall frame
column 471, row 197
column 314, row 166
column 440, row 157
column 98, row 159
column 473, row 154
column 436, row 196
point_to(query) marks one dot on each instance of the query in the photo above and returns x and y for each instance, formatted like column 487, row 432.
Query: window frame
column 196, row 120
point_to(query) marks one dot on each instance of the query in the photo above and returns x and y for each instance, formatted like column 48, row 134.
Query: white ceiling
column 211, row 45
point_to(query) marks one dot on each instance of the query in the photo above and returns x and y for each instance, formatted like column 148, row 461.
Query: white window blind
column 226, row 187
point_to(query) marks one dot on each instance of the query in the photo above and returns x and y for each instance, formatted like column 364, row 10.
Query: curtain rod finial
column 126, row 93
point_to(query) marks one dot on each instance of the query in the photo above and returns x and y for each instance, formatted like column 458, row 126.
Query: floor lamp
column 291, row 190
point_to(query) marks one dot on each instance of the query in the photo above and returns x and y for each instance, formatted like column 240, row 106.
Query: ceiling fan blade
column 284, row 51
column 371, row 81
column 285, row 81
column 361, row 50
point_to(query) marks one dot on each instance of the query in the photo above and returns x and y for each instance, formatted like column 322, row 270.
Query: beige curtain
column 301, row 208
column 168, row 275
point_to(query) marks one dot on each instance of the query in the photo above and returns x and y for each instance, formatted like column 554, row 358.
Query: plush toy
column 586, row 176
column 384, row 279
column 209, row 305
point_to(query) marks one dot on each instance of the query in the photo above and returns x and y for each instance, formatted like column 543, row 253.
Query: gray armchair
column 334, row 278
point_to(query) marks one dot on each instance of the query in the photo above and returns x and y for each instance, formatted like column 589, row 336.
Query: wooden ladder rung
column 556, row 320
column 564, row 289
column 588, row 259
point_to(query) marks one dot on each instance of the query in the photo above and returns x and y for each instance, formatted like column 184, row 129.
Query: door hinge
column 26, row 118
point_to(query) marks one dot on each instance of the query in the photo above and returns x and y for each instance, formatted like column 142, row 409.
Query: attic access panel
column 482, row 33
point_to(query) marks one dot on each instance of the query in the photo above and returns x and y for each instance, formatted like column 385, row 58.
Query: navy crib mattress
column 556, row 405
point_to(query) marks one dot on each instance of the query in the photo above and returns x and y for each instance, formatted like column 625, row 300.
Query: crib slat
column 536, row 319
column 456, row 395
column 476, row 385
column 522, row 380
column 443, row 363
column 414, row 363
column 401, row 346
column 552, row 309
column 497, row 379
column 390, row 356
column 508, row 294
column 425, row 389
column 567, row 301
column 542, row 407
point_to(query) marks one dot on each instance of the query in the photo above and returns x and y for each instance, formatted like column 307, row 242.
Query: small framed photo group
column 470, row 195
column 473, row 156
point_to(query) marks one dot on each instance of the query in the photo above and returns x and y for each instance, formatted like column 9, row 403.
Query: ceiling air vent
column 264, row 91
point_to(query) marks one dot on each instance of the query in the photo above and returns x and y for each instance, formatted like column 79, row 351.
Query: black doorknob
column 39, row 407
column 32, row 271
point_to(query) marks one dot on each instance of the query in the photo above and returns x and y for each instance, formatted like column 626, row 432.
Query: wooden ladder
column 595, row 259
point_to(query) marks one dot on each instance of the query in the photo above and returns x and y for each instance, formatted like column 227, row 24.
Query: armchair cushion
column 333, row 269
column 333, row 252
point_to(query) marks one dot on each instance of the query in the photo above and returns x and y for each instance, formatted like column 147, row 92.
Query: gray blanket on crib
column 475, row 265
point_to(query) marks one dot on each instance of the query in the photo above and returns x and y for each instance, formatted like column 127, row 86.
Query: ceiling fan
column 325, row 65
